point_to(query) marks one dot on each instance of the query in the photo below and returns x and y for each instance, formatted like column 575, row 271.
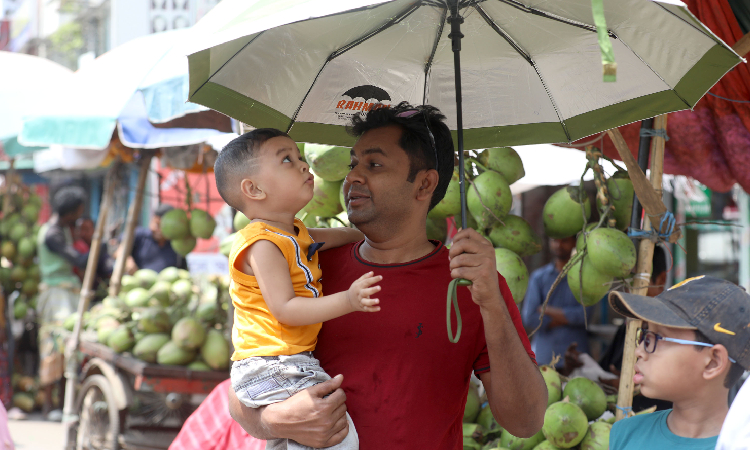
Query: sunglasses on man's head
column 649, row 340
column 408, row 113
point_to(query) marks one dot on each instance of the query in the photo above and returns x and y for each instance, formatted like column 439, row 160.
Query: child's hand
column 361, row 290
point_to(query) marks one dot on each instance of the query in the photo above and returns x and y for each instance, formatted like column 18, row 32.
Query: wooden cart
column 126, row 403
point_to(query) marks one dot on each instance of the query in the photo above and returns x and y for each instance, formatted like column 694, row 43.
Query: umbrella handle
column 453, row 299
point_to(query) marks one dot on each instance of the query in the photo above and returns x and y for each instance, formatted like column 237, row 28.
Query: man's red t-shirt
column 406, row 383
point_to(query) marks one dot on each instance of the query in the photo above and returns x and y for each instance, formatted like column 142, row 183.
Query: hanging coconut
column 450, row 205
column 512, row 268
column 504, row 160
column 325, row 201
column 174, row 224
column 183, row 246
column 620, row 190
column 611, row 252
column 437, row 229
column 595, row 283
column 583, row 237
column 562, row 213
column 488, row 198
column 516, row 235
column 240, row 221
column 202, row 225
column 328, row 162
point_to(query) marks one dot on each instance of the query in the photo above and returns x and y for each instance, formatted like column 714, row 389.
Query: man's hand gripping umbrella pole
column 456, row 20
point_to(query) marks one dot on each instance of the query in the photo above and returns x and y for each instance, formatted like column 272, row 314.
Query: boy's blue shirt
column 650, row 431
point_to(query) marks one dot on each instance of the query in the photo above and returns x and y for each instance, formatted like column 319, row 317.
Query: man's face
column 376, row 191
column 71, row 218
column 86, row 231
column 155, row 227
column 562, row 248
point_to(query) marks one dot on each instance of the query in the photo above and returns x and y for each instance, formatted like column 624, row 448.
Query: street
column 34, row 433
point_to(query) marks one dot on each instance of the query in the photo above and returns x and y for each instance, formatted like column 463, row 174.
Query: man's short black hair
column 68, row 199
column 162, row 209
column 735, row 370
column 659, row 262
column 233, row 160
column 415, row 139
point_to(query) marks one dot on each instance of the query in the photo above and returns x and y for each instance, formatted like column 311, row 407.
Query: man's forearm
column 515, row 379
column 250, row 419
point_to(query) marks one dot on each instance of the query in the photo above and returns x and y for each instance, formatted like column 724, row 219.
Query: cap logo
column 719, row 329
column 681, row 283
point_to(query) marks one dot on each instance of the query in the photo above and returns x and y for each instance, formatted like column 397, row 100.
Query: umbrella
column 124, row 88
column 26, row 81
column 530, row 72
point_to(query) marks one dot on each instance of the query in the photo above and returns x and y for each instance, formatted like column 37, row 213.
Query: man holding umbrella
column 405, row 382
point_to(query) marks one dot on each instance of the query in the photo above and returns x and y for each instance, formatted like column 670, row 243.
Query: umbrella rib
column 428, row 65
column 528, row 59
column 398, row 18
column 555, row 17
column 225, row 63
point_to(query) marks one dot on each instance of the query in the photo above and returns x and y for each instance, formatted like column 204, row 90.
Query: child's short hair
column 234, row 162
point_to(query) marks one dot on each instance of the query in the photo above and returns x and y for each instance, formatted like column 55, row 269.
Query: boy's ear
column 251, row 190
column 719, row 364
column 428, row 181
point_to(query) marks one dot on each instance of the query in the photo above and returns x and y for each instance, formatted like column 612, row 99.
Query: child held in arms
column 693, row 347
column 276, row 280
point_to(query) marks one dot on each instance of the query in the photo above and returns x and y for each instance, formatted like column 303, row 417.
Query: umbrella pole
column 455, row 35
column 126, row 247
column 85, row 298
column 642, row 277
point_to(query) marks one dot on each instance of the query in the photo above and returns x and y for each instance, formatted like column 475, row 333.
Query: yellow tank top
column 256, row 331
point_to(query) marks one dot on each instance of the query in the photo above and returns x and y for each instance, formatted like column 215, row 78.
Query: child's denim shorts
column 262, row 380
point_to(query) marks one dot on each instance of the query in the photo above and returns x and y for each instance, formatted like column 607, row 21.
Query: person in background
column 83, row 235
column 59, row 288
column 692, row 348
column 151, row 250
column 564, row 318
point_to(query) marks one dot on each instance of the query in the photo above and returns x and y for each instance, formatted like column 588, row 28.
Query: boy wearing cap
column 693, row 346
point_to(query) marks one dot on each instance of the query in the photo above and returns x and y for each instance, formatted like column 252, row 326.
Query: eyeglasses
column 649, row 340
column 408, row 113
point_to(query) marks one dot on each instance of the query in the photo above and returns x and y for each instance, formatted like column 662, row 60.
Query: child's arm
column 272, row 272
column 335, row 237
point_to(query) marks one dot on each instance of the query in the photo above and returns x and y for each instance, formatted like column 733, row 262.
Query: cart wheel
column 99, row 419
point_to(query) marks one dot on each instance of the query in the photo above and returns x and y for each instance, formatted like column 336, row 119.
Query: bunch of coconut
column 27, row 395
column 575, row 418
column 19, row 270
column 165, row 318
column 603, row 253
column 183, row 227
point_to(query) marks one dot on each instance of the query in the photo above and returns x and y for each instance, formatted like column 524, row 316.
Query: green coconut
column 34, row 272
column 215, row 350
column 24, row 401
column 159, row 293
column 29, row 287
column 325, row 201
column 137, row 298
column 18, row 232
column 183, row 246
column 181, row 291
column 511, row 442
column 128, row 283
column 450, row 205
column 26, row 247
column 225, row 246
column 488, row 198
column 582, row 238
column 490, row 426
column 437, row 229
column 471, row 409
column 595, row 283
column 20, row 309
column 588, row 395
column 546, row 445
column 188, row 333
column 565, row 424
column 202, row 225
column 169, row 274
column 562, row 213
column 621, row 192
column 516, row 235
column 172, row 354
column 30, row 213
column 513, row 269
column 121, row 339
column 597, row 438
column 17, row 274
column 504, row 160
column 154, row 320
column 8, row 250
column 240, row 221
column 554, row 384
column 148, row 346
column 70, row 321
column 146, row 277
column 328, row 162
column 198, row 366
column 175, row 224
column 611, row 252
column 206, row 312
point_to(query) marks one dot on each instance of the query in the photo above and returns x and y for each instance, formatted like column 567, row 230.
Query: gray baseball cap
column 717, row 308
